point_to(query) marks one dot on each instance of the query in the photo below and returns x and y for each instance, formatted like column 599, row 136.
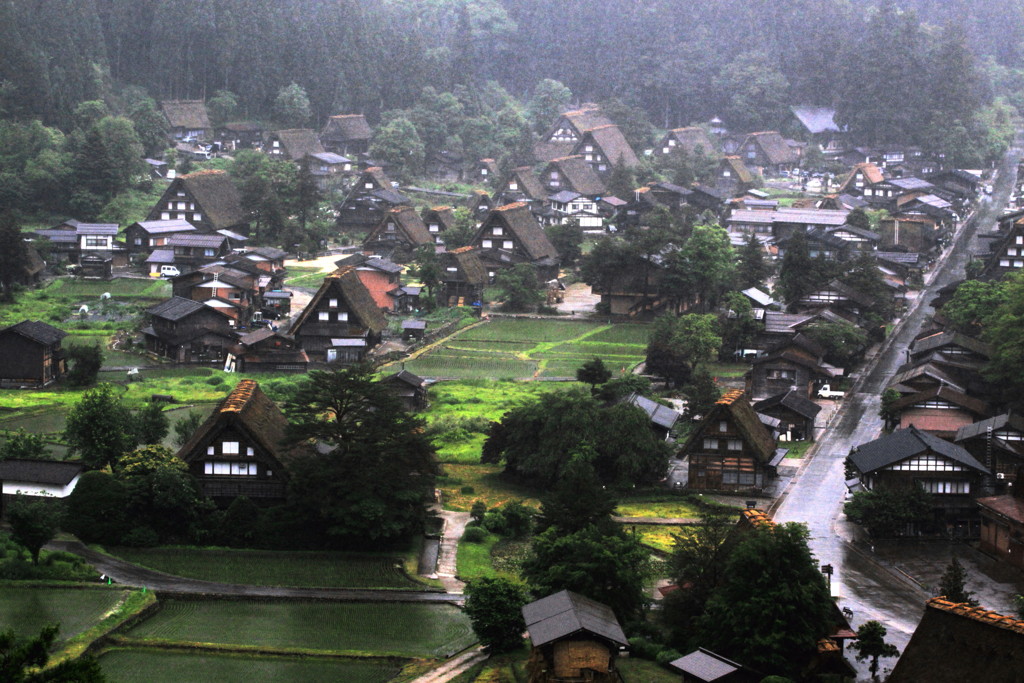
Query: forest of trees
column 886, row 70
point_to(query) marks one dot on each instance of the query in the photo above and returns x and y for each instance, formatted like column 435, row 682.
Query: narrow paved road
column 816, row 495
column 132, row 575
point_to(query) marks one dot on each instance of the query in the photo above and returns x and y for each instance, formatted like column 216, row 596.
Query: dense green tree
column 291, row 106
column 677, row 344
column 519, row 287
column 161, row 495
column 266, row 186
column 85, row 362
column 12, row 255
column 842, row 342
column 622, row 386
column 578, row 499
column 737, row 325
column 379, row 466
column 222, row 107
column 593, row 372
column 863, row 275
column 697, row 564
column 23, row 660
column 150, row 127
column 567, row 239
column 34, row 522
column 752, row 269
column 870, row 644
column 550, row 98
column 889, row 512
column 494, row 607
column 609, row 566
column 96, row 427
column 96, row 509
column 887, row 411
column 426, row 267
column 622, row 181
column 186, row 426
column 151, row 424
column 952, row 584
column 399, row 145
column 22, row 444
column 1003, row 329
column 799, row 273
column 704, row 268
column 537, row 440
column 772, row 606
column 973, row 304
column 758, row 92
column 701, row 393
column 632, row 121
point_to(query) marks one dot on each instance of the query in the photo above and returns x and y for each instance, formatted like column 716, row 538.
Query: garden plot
column 404, row 630
column 166, row 666
column 523, row 348
column 27, row 609
column 268, row 568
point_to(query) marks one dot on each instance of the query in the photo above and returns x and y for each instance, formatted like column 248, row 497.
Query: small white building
column 45, row 478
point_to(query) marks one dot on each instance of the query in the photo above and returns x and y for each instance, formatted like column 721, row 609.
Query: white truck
column 826, row 392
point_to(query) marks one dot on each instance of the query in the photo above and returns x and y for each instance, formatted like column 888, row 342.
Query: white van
column 169, row 271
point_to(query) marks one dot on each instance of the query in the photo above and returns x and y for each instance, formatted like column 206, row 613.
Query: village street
column 875, row 582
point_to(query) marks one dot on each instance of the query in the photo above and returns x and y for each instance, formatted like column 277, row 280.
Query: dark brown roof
column 774, row 147
column 958, row 398
column 546, row 151
column 735, row 164
column 940, row 339
column 612, row 142
column 955, row 642
column 584, row 118
column 564, row 614
column 1009, row 506
column 906, row 443
column 39, row 471
column 355, row 294
column 298, row 142
column 37, row 331
column 409, row 224
column 186, row 114
column 347, row 127
column 469, row 263
column 249, row 409
column 793, row 400
column 578, row 173
column 216, row 194
column 444, row 215
column 689, row 139
column 175, row 308
column 753, row 431
column 375, row 175
column 527, row 182
column 872, row 174
column 519, row 220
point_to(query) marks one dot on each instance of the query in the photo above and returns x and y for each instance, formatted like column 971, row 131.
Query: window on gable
column 229, row 448
column 507, row 244
column 723, row 426
column 323, row 316
column 333, row 303
column 343, row 317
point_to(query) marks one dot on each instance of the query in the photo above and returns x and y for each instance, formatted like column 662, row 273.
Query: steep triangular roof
column 774, row 147
column 444, row 216
column 186, row 114
column 610, row 140
column 346, row 282
column 468, row 261
column 347, row 127
column 793, row 400
column 298, row 142
column 216, row 193
column 690, row 139
column 247, row 409
column 578, row 174
column 753, row 431
column 735, row 166
column 519, row 221
column 375, row 176
column 526, row 183
column 408, row 224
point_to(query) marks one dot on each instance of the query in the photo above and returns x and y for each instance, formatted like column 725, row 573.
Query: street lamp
column 827, row 570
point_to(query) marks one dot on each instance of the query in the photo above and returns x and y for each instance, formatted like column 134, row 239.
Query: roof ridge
column 239, row 397
column 977, row 613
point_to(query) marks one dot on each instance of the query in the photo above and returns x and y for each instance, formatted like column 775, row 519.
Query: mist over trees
column 678, row 61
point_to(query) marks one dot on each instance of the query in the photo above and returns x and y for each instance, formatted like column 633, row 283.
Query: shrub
column 474, row 534
column 467, row 490
column 141, row 537
column 214, row 381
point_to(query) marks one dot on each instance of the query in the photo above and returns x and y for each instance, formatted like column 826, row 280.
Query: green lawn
column 409, row 630
column 27, row 609
column 269, row 568
column 305, row 276
column 59, row 300
column 168, row 666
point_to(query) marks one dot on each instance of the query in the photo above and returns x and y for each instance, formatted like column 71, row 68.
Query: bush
column 141, row 537
column 474, row 534
column 467, row 490
column 216, row 380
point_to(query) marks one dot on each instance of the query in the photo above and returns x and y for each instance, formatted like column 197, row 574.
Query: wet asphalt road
column 862, row 580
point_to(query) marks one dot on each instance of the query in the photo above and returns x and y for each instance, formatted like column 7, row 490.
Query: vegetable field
column 267, row 568
column 165, row 666
column 403, row 630
column 524, row 348
column 28, row 609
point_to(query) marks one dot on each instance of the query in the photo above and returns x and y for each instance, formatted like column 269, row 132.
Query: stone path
column 454, row 526
column 454, row 667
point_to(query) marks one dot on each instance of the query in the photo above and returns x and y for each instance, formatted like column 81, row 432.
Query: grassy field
column 520, row 348
column 657, row 536
column 28, row 609
column 166, row 666
column 409, row 630
column 305, row 276
column 463, row 485
column 268, row 568
column 58, row 301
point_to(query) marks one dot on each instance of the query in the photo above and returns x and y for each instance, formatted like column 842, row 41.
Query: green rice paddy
column 167, row 666
column 399, row 629
column 27, row 609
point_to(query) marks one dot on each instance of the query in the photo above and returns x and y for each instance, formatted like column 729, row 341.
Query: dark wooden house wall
column 23, row 361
